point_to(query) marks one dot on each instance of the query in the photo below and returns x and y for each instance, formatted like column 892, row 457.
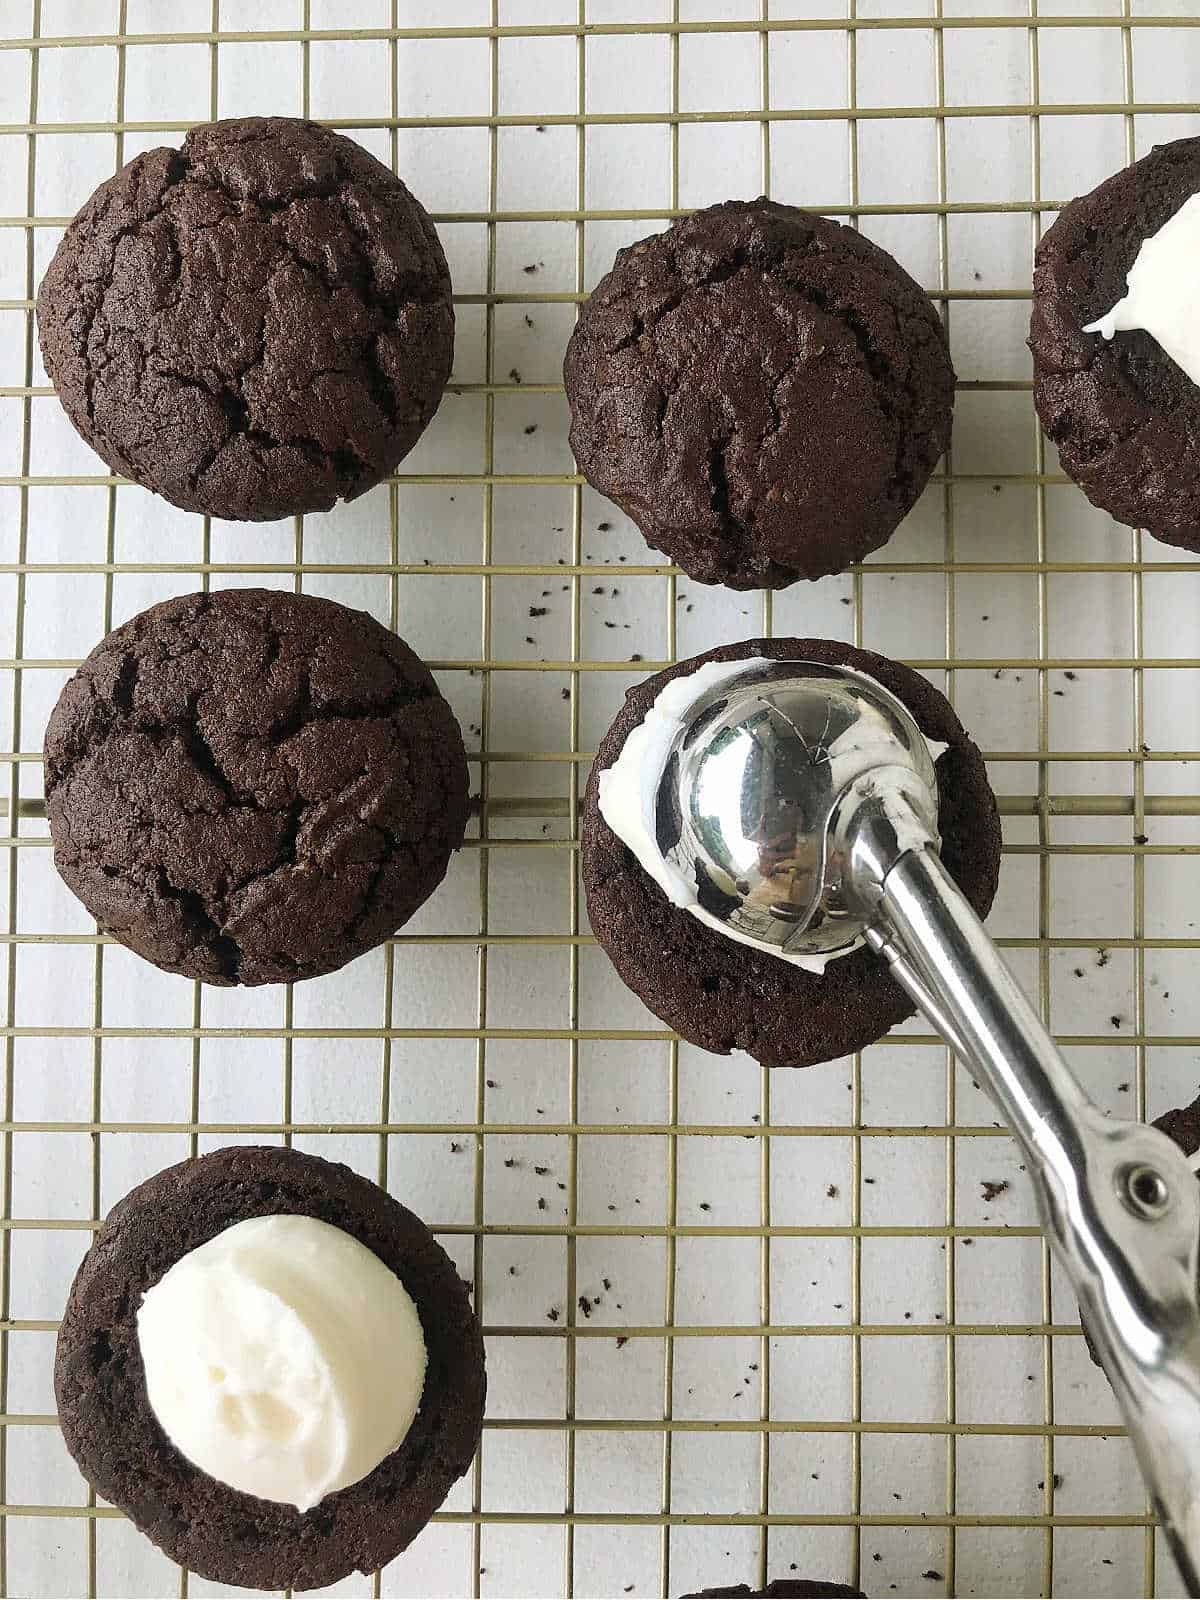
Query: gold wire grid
column 22, row 1521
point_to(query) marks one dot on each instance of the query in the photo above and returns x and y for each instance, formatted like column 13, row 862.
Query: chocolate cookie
column 725, row 996
column 763, row 391
column 783, row 1589
column 120, row 1448
column 254, row 325
column 253, row 786
column 1125, row 417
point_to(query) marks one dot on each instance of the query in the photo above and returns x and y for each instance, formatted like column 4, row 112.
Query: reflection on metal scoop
column 801, row 800
column 749, row 800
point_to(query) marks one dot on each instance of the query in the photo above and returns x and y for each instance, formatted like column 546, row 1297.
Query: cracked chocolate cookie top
column 1125, row 417
column 253, row 786
column 254, row 325
column 763, row 391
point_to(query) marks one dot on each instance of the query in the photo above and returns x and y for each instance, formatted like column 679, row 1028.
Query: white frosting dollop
column 628, row 788
column 1163, row 290
column 283, row 1358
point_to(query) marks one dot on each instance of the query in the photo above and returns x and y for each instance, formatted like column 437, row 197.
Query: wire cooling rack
column 739, row 1324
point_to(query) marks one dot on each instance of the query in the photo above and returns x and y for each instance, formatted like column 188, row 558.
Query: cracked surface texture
column 253, row 786
column 725, row 996
column 112, row 1433
column 1125, row 417
column 255, row 325
column 763, row 391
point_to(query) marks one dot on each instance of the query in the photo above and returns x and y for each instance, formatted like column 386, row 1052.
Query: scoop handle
column 1118, row 1201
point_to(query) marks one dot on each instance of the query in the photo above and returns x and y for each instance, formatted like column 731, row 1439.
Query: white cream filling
column 628, row 790
column 1163, row 290
column 283, row 1358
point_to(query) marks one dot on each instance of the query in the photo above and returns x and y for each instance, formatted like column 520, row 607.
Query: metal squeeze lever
column 800, row 801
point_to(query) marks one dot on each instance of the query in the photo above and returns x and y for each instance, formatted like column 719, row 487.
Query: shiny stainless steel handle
column 1118, row 1201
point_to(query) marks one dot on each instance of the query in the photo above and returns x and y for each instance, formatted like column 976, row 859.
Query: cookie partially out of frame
column 725, row 996
column 764, row 391
column 109, row 1428
column 254, row 325
column 782, row 1589
column 1124, row 415
column 253, row 786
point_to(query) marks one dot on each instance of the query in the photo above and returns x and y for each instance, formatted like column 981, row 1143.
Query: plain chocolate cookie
column 1124, row 416
column 206, row 1526
column 723, row 995
column 253, row 786
column 782, row 1589
column 763, row 391
column 254, row 325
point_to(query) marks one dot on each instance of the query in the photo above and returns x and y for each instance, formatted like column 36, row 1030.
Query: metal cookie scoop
column 801, row 801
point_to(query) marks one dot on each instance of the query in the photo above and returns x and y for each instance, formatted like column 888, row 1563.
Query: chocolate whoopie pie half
column 725, row 996
column 782, row 1589
column 1124, row 416
column 253, row 786
column 119, row 1446
column 254, row 325
column 764, row 391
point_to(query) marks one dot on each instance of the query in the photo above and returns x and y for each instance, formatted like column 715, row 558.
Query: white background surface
column 803, row 1281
